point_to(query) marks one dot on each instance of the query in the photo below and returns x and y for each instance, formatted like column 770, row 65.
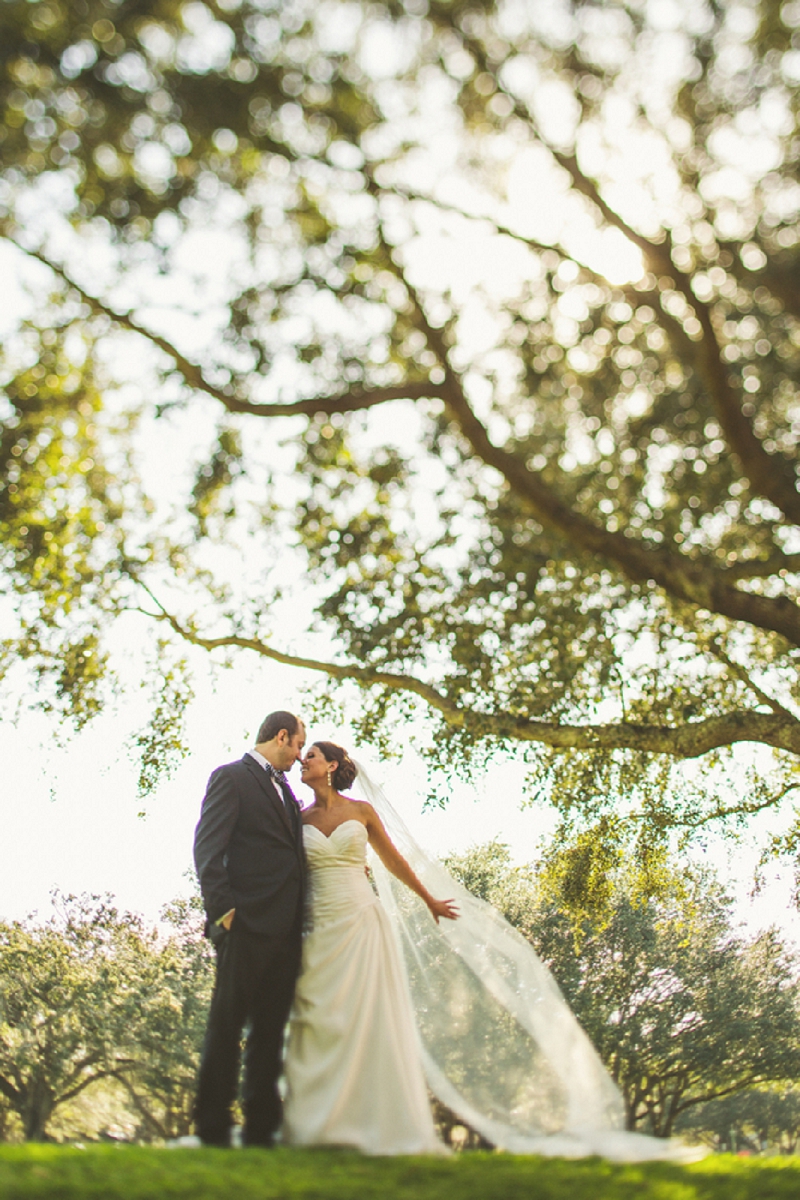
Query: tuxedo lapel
column 294, row 812
column 270, row 791
column 293, row 806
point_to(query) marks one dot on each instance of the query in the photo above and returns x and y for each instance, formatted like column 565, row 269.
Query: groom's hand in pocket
column 218, row 932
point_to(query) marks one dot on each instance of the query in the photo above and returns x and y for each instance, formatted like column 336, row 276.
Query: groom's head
column 281, row 739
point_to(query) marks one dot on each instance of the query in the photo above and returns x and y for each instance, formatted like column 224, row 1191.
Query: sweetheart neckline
column 328, row 836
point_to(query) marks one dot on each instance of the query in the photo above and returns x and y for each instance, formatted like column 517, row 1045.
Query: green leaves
column 59, row 508
column 91, row 994
column 67, row 1004
column 214, row 479
column 161, row 743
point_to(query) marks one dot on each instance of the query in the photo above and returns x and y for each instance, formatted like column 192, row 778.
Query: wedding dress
column 353, row 1070
column 500, row 1046
column 497, row 1042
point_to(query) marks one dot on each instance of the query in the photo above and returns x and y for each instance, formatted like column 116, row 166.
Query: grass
column 35, row 1172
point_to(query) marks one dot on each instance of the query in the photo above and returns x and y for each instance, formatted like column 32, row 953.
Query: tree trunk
column 37, row 1110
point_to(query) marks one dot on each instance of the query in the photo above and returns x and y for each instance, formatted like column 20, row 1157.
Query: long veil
column 500, row 1046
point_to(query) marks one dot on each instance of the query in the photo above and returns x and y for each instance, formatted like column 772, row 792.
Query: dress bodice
column 339, row 885
column 345, row 847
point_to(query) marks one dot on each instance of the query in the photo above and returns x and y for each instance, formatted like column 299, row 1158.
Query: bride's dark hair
column 346, row 770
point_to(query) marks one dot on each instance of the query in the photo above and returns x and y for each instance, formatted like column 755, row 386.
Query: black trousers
column 255, row 980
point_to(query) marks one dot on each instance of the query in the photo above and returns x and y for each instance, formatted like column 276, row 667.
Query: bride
column 353, row 1069
column 466, row 1005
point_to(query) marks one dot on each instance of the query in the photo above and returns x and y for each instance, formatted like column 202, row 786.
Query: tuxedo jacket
column 248, row 851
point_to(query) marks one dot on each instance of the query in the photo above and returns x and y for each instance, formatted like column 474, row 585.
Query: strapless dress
column 353, row 1071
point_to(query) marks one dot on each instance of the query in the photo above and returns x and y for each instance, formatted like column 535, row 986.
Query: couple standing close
column 353, row 1068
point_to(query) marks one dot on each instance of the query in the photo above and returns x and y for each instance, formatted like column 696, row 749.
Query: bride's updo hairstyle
column 346, row 770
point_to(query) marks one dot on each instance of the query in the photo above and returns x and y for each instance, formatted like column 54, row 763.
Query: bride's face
column 315, row 768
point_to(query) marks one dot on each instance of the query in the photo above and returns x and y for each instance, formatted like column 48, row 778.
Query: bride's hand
column 443, row 908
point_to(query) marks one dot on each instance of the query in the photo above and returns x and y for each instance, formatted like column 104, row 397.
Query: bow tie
column 277, row 775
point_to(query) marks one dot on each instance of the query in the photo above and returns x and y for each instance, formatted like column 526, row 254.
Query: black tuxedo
column 248, row 852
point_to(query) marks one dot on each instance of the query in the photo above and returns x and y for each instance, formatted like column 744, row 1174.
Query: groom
column 248, row 851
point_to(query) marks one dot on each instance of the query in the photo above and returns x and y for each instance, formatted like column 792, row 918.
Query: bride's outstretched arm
column 393, row 860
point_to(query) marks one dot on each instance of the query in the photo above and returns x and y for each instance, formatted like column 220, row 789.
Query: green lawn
column 140, row 1173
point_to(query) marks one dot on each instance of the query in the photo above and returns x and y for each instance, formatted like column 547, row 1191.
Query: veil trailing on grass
column 500, row 1045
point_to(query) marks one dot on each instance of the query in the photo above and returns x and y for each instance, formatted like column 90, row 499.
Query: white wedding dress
column 386, row 994
column 353, row 1067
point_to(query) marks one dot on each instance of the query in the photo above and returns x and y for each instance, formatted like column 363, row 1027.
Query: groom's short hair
column 274, row 723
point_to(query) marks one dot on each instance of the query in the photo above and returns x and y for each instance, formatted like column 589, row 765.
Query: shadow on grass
column 143, row 1173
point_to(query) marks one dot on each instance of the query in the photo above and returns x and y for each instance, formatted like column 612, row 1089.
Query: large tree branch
column 677, row 334
column 762, row 568
column 770, row 475
column 742, row 674
column 741, row 808
column 731, row 1090
column 354, row 399
column 407, row 193
column 681, row 741
column 781, row 281
column 8, row 1090
column 106, row 1073
column 77, row 1072
column 692, row 581
column 158, row 1128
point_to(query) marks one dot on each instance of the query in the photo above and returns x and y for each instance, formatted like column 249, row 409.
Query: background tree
column 10, row 1129
column 70, row 994
column 759, row 1119
column 682, row 1008
column 173, row 1014
column 543, row 460
column 91, row 995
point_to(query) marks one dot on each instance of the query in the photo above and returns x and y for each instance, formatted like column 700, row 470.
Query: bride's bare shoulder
column 370, row 818
column 362, row 811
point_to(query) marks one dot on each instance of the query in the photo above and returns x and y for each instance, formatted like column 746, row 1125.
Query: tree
column 91, row 995
column 9, row 1124
column 70, row 992
column 681, row 1007
column 758, row 1119
column 548, row 496
column 172, row 1020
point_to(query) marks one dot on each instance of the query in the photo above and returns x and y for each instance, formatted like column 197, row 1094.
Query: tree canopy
column 172, row 1020
column 480, row 318
column 91, row 994
column 69, row 1004
column 754, row 1120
